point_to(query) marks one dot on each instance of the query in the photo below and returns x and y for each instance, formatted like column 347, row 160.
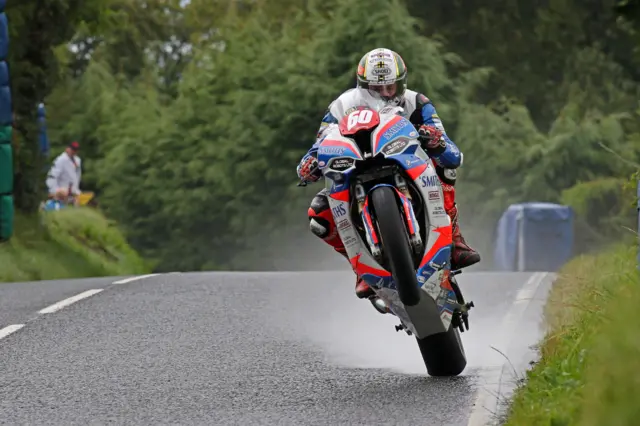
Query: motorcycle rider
column 382, row 79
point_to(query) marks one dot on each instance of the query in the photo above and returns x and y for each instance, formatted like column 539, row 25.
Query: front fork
column 411, row 223
column 410, row 217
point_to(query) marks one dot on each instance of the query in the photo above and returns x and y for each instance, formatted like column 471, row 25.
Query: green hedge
column 68, row 243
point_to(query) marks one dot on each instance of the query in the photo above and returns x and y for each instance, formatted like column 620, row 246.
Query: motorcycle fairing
column 394, row 138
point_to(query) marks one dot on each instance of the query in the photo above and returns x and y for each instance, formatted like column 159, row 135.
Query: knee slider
column 319, row 227
column 448, row 176
column 320, row 203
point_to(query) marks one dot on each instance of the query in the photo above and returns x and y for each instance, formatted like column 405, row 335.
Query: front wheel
column 395, row 244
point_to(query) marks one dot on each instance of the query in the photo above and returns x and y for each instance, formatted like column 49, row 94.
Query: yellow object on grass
column 84, row 198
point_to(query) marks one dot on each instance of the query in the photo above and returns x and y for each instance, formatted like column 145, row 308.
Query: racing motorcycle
column 388, row 205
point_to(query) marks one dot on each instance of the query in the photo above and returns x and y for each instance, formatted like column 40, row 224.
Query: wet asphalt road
column 292, row 348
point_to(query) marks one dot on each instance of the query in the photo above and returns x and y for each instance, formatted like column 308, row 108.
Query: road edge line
column 136, row 278
column 480, row 415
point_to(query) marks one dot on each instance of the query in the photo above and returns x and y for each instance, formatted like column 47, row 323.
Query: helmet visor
column 385, row 90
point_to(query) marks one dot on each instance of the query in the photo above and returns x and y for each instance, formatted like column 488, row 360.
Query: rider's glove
column 308, row 169
column 431, row 139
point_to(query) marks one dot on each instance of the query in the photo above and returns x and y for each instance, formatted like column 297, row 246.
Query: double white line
column 4, row 332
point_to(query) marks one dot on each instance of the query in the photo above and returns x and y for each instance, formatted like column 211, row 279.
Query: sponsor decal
column 413, row 160
column 379, row 54
column 381, row 71
column 439, row 211
column 341, row 164
column 350, row 241
column 339, row 210
column 394, row 129
column 395, row 146
column 434, row 195
column 331, row 150
column 344, row 224
column 428, row 181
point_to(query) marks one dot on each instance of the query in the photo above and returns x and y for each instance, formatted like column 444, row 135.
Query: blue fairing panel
column 401, row 127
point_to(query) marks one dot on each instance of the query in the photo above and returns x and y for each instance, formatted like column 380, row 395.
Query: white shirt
column 64, row 173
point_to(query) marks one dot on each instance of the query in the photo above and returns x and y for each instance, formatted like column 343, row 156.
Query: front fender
column 411, row 223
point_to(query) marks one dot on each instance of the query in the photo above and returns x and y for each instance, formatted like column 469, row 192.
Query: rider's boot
column 463, row 255
column 363, row 291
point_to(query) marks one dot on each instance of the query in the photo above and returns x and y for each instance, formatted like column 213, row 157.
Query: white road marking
column 482, row 411
column 66, row 302
column 139, row 277
column 4, row 332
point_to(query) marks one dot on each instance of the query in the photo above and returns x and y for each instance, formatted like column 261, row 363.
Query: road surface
column 294, row 348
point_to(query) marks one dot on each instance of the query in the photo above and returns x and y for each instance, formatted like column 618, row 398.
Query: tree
column 543, row 39
column 36, row 29
column 201, row 171
column 222, row 156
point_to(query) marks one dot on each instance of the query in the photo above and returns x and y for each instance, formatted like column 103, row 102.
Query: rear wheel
column 442, row 353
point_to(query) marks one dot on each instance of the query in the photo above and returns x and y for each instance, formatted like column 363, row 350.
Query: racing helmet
column 384, row 74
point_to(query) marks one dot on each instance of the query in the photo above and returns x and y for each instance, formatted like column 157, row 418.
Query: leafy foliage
column 192, row 117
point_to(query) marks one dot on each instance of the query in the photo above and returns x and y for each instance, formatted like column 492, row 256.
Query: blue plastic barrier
column 534, row 237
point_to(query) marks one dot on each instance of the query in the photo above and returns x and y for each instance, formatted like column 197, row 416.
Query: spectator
column 63, row 180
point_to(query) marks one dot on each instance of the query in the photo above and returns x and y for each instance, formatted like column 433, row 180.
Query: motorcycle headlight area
column 337, row 166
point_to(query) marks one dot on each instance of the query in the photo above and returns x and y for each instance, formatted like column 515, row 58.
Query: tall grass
column 589, row 372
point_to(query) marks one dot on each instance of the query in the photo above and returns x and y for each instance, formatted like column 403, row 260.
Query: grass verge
column 68, row 243
column 588, row 372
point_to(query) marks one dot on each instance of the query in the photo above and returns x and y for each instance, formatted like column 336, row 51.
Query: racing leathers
column 445, row 156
